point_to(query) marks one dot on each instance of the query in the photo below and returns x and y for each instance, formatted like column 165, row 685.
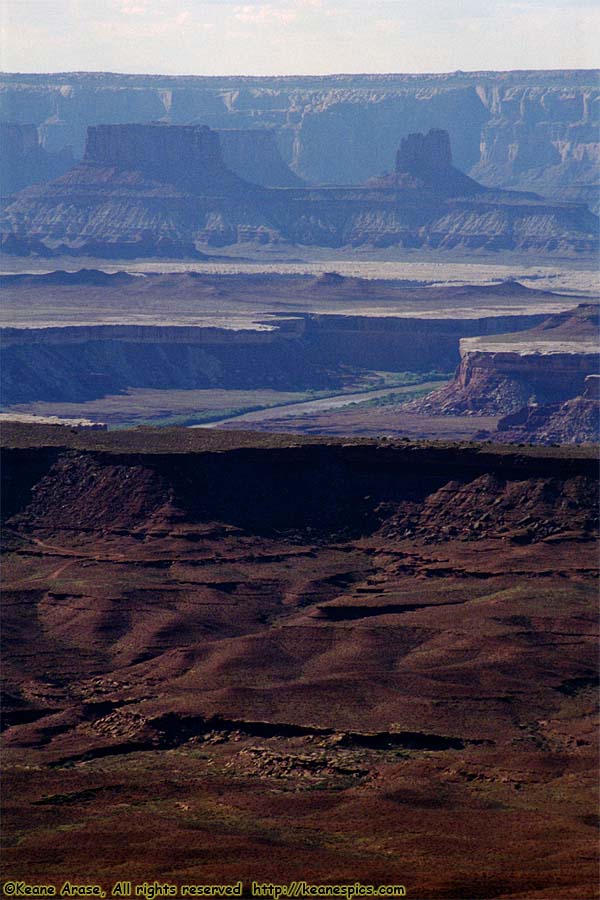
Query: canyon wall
column 544, row 374
column 401, row 343
column 574, row 421
column 550, row 363
column 74, row 363
column 23, row 160
column 253, row 154
column 82, row 363
column 322, row 484
column 526, row 130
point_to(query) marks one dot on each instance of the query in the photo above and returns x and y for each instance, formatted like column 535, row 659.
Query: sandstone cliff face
column 576, row 421
column 545, row 138
column 81, row 362
column 323, row 485
column 150, row 147
column 188, row 156
column 548, row 364
column 527, row 130
column 429, row 152
column 591, row 387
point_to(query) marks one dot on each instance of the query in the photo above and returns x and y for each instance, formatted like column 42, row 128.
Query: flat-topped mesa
column 186, row 155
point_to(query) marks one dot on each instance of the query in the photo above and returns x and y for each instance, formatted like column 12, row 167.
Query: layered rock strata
column 235, row 657
column 528, row 130
column 424, row 161
column 109, row 332
column 140, row 186
column 502, row 374
column 576, row 421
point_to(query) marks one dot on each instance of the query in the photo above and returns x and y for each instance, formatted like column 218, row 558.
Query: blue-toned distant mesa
column 175, row 166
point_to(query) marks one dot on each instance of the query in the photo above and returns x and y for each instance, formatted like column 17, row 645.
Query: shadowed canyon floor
column 238, row 656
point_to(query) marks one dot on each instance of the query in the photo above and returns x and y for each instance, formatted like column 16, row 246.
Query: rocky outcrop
column 576, row 421
column 23, row 161
column 154, row 148
column 591, row 388
column 492, row 382
column 140, row 186
column 504, row 373
column 426, row 152
column 252, row 154
column 424, row 161
column 358, row 487
column 525, row 130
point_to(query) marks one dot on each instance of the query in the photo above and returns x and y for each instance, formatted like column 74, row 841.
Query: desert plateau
column 299, row 427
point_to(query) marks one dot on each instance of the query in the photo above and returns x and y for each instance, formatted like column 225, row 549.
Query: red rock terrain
column 535, row 386
column 546, row 364
column 264, row 657
column 575, row 421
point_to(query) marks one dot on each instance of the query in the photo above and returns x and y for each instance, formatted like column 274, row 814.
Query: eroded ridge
column 360, row 656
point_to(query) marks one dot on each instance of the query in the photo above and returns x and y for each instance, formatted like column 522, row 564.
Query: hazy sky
column 265, row 37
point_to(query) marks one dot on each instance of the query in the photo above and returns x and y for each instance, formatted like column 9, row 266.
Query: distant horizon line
column 313, row 75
